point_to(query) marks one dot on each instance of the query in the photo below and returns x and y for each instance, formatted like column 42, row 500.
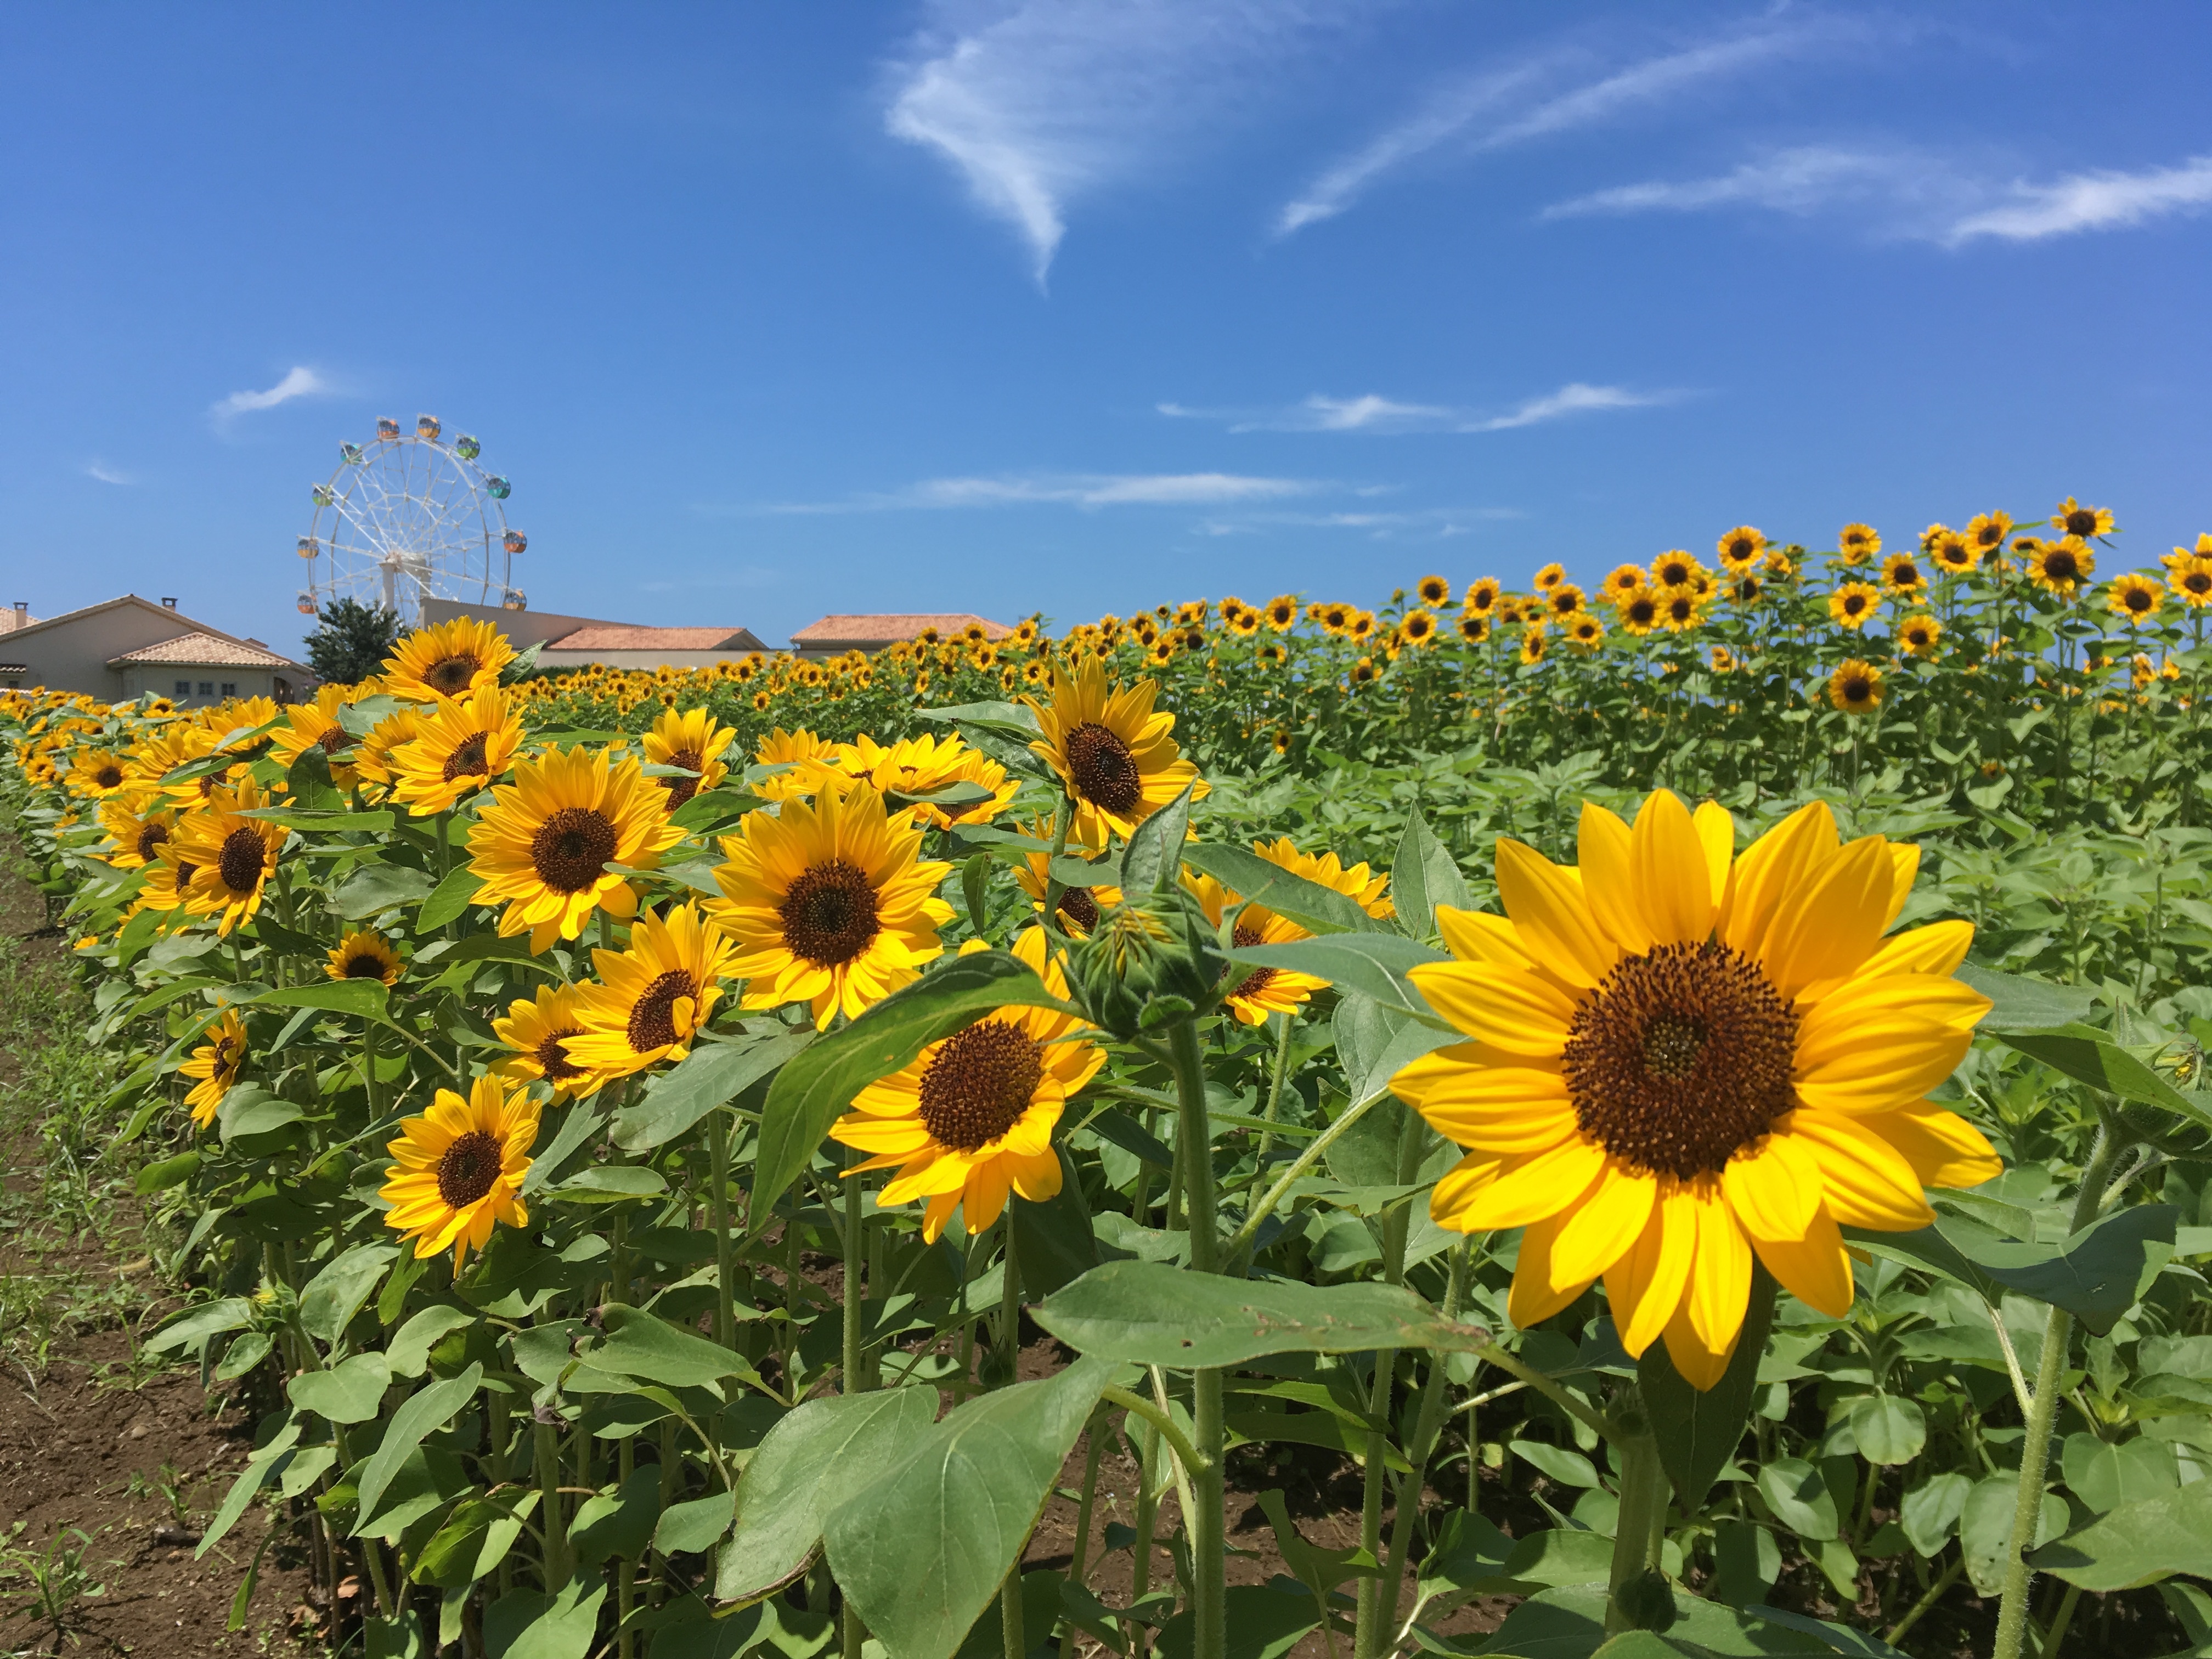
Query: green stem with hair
column 1205, row 1526
column 718, row 1215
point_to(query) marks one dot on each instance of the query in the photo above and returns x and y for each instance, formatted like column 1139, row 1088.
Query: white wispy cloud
column 1790, row 181
column 1513, row 105
column 1036, row 103
column 301, row 382
column 2092, row 200
column 1372, row 413
column 1088, row 490
column 107, row 474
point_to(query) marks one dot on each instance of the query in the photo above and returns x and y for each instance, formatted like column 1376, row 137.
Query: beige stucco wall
column 205, row 685
column 72, row 654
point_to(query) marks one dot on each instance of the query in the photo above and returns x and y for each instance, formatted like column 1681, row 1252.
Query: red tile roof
column 622, row 636
column 886, row 628
column 205, row 650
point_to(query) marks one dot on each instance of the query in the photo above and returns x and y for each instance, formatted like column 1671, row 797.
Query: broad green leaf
column 188, row 1330
column 1374, row 1043
column 263, row 1461
column 375, row 887
column 2091, row 1057
column 1698, row 1432
column 818, row 1085
column 1929, row 1512
column 1799, row 1496
column 2096, row 1275
column 425, row 1481
column 471, row 1543
column 1155, row 850
column 712, row 806
column 448, row 900
column 618, row 1524
column 350, row 1391
column 410, row 1345
column 646, row 1346
column 167, row 1173
column 336, row 1294
column 249, row 1109
column 1054, row 1244
column 529, row 1624
column 1014, row 717
column 1369, row 964
column 1316, row 908
column 1569, row 1467
column 714, row 1074
column 2025, row 1004
column 2105, row 1476
column 693, row 1528
column 923, row 1547
column 1319, row 1569
column 2138, row 1543
column 1262, row 1622
column 422, row 1412
column 810, row 1462
column 1986, row 1527
column 365, row 998
column 607, row 1183
column 1889, row 1430
column 1423, row 876
column 1154, row 1315
column 295, row 818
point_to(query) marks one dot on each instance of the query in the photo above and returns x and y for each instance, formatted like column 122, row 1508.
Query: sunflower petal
column 1813, row 1267
column 1672, row 877
column 1535, row 1296
column 1531, row 1188
column 1943, row 1149
column 1645, row 1285
column 1866, row 1181
column 1605, row 1226
column 1547, row 907
column 1509, row 1010
column 1720, row 1279
column 1774, row 1189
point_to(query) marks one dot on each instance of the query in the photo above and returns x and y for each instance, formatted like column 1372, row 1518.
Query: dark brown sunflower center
column 150, row 835
column 1674, row 575
column 468, row 1168
column 2198, row 581
column 1905, row 574
column 653, row 1021
column 829, row 913
column 551, row 1054
column 979, row 1084
column 1681, row 1058
column 2081, row 521
column 2060, row 567
column 1077, row 904
column 1243, row 939
column 1857, row 688
column 1101, row 768
column 681, row 789
column 1853, row 604
column 364, row 965
column 334, row 739
column 239, row 862
column 1742, row 548
column 452, row 675
column 468, row 759
column 2139, row 598
column 108, row 775
column 571, row 849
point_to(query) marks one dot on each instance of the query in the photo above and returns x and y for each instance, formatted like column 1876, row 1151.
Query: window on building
column 207, row 688
column 230, row 688
column 184, row 688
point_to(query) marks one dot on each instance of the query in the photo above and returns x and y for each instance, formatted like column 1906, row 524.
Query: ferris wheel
column 408, row 518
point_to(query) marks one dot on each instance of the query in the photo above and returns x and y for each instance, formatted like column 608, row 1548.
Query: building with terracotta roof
column 130, row 645
column 574, row 642
column 872, row 631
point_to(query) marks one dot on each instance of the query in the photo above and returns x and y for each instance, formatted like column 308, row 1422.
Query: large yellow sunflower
column 460, row 1168
column 97, row 774
column 215, row 1063
column 1681, row 1059
column 1264, row 990
column 233, row 856
column 2192, row 580
column 2136, row 597
column 461, row 746
column 315, row 725
column 2080, row 522
column 137, row 834
column 2061, row 567
column 1369, row 890
column 539, row 1030
column 972, row 1117
column 542, row 846
column 1853, row 602
column 373, row 758
column 1112, row 751
column 693, row 741
column 807, row 760
column 918, row 765
column 1742, row 547
column 364, row 954
column 827, row 904
column 448, row 661
column 1856, row 687
column 1079, row 906
column 652, row 997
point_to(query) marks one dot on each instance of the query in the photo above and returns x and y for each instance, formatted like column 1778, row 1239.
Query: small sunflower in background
column 232, row 856
column 1585, row 633
column 1245, row 623
column 2136, row 597
column 449, row 660
column 539, row 1030
column 1370, row 891
column 459, row 1168
column 1954, row 554
column 971, row 1119
column 459, row 746
column 1434, row 590
column 1418, row 628
column 1361, row 627
column 1481, row 596
column 1263, row 990
column 1722, row 660
column 1742, row 547
column 1270, row 655
column 1079, row 906
column 693, row 741
column 1902, row 577
column 1682, row 1061
column 372, row 754
column 215, row 1064
column 2061, row 567
column 828, row 902
column 1856, row 687
column 1744, row 590
column 1851, row 604
column 1917, row 635
column 1115, row 753
column 1679, row 611
column 1639, row 613
column 1986, row 533
column 1782, row 561
column 1549, row 577
column 1623, row 579
column 364, row 954
column 2080, row 522
column 2192, row 582
column 807, row 760
column 168, row 879
column 1675, row 569
column 542, row 846
column 653, row 997
column 1565, row 599
column 1283, row 612
column 1533, row 645
column 1474, row 627
column 137, row 836
column 315, row 725
column 95, row 773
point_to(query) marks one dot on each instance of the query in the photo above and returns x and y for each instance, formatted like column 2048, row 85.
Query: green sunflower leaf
column 1316, row 908
column 1373, row 965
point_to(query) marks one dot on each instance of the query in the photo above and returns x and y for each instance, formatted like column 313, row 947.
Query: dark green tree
column 351, row 640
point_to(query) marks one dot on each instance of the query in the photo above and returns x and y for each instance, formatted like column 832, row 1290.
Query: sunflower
column 1722, row 660
column 1851, row 604
column 1244, row 624
column 1550, row 577
column 971, row 1117
column 1622, row 581
column 540, row 1031
column 1564, row 601
column 2192, row 582
column 2062, row 566
column 1585, row 633
column 460, row 747
column 215, row 1063
column 1533, row 645
column 919, row 765
column 449, row 660
column 1639, row 612
column 2136, row 597
column 1679, row 611
column 233, row 856
column 1361, row 627
column 1114, row 753
column 1741, row 548
column 1355, row 882
column 1419, row 628
column 1079, row 906
column 168, row 884
column 1270, row 655
column 1986, row 532
column 695, row 741
column 460, row 1168
column 364, row 954
column 1675, row 569
column 373, row 759
column 652, row 997
column 1473, row 627
column 542, row 846
column 2079, row 523
column 1954, row 553
column 1434, row 590
column 1283, row 612
column 1858, row 543
column 1901, row 575
column 1918, row 635
column 96, row 773
column 1745, row 590
column 315, row 725
column 1334, row 618
column 1856, row 687
column 1363, row 672
column 1264, row 990
column 1512, row 613
column 827, row 904
column 1481, row 596
column 135, row 835
column 1683, row 1059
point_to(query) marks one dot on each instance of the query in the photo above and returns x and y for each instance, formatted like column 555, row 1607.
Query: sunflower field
column 1658, row 1118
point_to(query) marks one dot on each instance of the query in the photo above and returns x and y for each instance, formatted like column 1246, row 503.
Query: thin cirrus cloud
column 299, row 382
column 107, row 474
column 1375, row 414
column 1089, row 490
column 1036, row 104
column 1918, row 197
column 1518, row 104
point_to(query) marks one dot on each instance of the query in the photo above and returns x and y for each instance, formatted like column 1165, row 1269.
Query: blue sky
column 775, row 310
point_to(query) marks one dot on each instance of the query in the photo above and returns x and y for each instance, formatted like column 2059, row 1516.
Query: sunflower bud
column 1149, row 961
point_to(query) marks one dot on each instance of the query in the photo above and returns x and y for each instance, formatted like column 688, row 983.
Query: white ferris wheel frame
column 407, row 517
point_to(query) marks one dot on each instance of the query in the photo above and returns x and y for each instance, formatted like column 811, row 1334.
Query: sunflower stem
column 718, row 1214
column 556, row 1528
column 1426, row 1426
column 1010, row 1614
column 849, row 1360
column 1010, row 1304
column 1642, row 1522
column 1369, row 1624
column 1194, row 1159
